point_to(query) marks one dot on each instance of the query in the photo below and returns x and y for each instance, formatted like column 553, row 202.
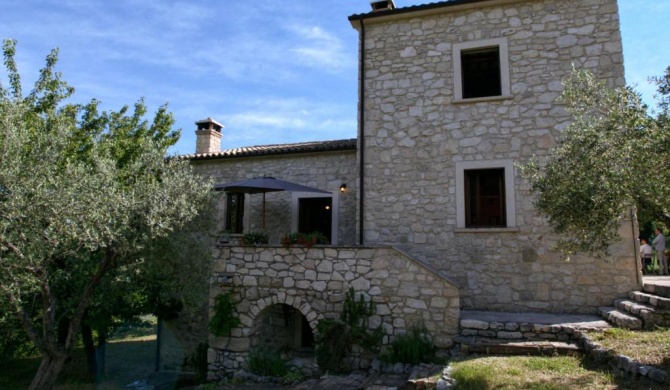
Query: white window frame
column 502, row 45
column 510, row 203
column 335, row 212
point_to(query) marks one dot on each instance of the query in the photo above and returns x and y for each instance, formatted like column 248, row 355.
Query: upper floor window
column 485, row 198
column 481, row 69
column 485, row 194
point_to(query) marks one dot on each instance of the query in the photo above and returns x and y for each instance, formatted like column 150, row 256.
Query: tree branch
column 106, row 265
column 24, row 318
column 12, row 248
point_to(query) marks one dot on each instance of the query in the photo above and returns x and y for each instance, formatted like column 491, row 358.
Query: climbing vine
column 224, row 319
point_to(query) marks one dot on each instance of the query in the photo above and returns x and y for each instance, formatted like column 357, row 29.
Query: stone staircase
column 644, row 309
column 523, row 333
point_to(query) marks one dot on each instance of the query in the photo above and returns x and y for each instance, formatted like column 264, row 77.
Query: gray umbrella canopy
column 261, row 185
column 264, row 184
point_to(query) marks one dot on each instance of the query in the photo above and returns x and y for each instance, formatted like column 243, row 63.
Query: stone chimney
column 208, row 136
column 384, row 5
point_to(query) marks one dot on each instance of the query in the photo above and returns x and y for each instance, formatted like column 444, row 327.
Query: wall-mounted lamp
column 343, row 188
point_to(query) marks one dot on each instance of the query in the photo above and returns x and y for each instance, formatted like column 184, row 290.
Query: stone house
column 427, row 213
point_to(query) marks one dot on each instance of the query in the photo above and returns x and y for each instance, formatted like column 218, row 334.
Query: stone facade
column 315, row 281
column 420, row 137
column 422, row 260
column 325, row 171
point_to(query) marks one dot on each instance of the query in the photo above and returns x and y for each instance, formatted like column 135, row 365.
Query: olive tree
column 83, row 195
column 612, row 158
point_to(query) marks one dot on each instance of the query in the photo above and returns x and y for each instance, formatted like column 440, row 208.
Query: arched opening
column 284, row 329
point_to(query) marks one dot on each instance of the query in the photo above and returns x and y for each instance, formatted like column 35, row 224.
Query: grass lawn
column 647, row 347
column 537, row 373
column 130, row 356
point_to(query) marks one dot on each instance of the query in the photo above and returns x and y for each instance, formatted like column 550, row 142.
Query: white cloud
column 318, row 47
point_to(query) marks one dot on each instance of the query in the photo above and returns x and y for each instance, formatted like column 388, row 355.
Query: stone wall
column 315, row 281
column 180, row 338
column 417, row 135
column 325, row 171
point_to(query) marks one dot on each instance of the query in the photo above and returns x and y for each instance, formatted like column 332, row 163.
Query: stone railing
column 315, row 281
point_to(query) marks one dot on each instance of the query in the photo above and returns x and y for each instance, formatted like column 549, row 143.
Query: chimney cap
column 382, row 5
column 208, row 120
column 209, row 124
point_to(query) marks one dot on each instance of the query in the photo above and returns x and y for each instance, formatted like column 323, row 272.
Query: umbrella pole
column 263, row 211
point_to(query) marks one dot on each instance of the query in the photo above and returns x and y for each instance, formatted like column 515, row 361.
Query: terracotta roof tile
column 439, row 4
column 270, row 150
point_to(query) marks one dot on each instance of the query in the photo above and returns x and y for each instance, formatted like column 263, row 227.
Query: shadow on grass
column 622, row 382
column 127, row 361
column 540, row 373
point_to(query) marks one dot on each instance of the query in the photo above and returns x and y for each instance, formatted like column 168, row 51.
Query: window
column 235, row 213
column 313, row 211
column 485, row 194
column 481, row 69
column 485, row 198
column 480, row 72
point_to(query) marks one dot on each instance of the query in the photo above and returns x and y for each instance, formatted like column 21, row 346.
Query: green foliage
column 333, row 345
column 307, row 240
column 224, row 319
column 611, row 158
column 254, row 239
column 90, row 213
column 293, row 377
column 414, row 347
column 267, row 361
column 197, row 361
column 14, row 342
column 470, row 377
column 335, row 339
column 356, row 315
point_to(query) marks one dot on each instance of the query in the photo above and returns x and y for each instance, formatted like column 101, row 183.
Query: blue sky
column 270, row 71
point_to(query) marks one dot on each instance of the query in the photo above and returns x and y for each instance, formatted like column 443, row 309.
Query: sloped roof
column 278, row 149
column 422, row 7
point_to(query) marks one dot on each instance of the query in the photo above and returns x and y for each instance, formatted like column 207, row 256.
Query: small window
column 485, row 198
column 480, row 72
column 481, row 69
column 235, row 213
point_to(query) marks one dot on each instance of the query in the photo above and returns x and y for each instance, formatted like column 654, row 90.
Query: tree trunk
column 46, row 375
column 100, row 353
column 89, row 347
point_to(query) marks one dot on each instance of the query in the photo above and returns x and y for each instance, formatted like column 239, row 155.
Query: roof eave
column 345, row 145
column 423, row 10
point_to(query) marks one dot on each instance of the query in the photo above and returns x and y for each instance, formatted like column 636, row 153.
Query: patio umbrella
column 261, row 185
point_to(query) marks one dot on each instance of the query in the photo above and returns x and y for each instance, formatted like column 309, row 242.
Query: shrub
column 254, row 239
column 197, row 361
column 414, row 347
column 333, row 346
column 267, row 361
column 335, row 339
column 307, row 240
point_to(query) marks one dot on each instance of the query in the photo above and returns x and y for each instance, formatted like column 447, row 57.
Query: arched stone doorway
column 284, row 329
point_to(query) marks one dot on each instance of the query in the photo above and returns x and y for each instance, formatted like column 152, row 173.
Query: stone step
column 620, row 319
column 634, row 308
column 651, row 299
column 660, row 289
column 503, row 347
column 646, row 313
column 527, row 326
column 651, row 316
